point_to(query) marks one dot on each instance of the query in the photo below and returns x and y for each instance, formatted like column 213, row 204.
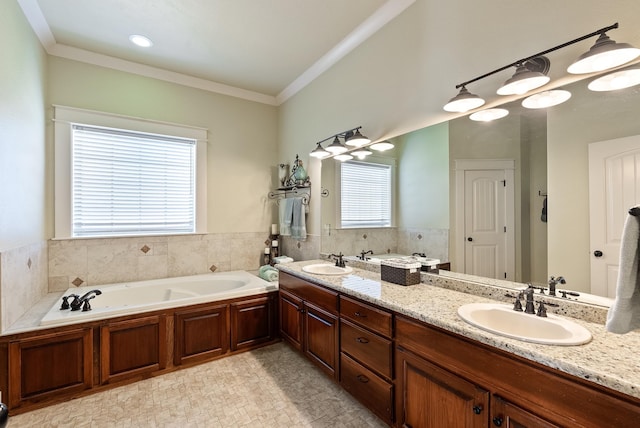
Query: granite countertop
column 609, row 359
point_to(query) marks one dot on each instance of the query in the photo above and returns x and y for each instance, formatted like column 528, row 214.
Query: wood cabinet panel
column 366, row 316
column 321, row 338
column 430, row 397
column 201, row 334
column 368, row 348
column 506, row 415
column 252, row 322
column 132, row 348
column 370, row 389
column 321, row 297
column 50, row 366
column 291, row 319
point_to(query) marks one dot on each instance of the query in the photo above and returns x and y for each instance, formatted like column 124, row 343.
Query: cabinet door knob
column 362, row 340
column 362, row 378
column 497, row 421
column 477, row 409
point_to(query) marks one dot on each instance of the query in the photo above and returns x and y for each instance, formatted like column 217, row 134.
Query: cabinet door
column 200, row 334
column 291, row 319
column 506, row 415
column 252, row 322
column 321, row 338
column 430, row 397
column 132, row 348
column 50, row 366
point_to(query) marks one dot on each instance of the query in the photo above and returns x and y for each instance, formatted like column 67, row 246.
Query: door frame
column 508, row 167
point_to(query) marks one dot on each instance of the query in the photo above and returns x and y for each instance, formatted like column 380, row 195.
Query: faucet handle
column 542, row 310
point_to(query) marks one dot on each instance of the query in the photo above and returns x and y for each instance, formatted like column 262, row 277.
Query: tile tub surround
column 92, row 262
column 609, row 359
column 273, row 386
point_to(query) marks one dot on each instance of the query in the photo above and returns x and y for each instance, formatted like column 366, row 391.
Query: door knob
column 597, row 253
column 469, row 239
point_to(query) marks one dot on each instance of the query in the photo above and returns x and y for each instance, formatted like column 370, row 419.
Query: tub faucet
column 553, row 281
column 363, row 253
column 65, row 301
column 79, row 301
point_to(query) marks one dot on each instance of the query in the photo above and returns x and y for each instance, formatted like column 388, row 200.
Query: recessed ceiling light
column 141, row 41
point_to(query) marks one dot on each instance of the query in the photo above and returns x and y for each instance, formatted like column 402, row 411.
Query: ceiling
column 262, row 50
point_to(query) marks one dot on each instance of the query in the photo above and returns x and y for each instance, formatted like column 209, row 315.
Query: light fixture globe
column 617, row 80
column 357, row 139
column 463, row 102
column 546, row 99
column 319, row 152
column 343, row 157
column 361, row 153
column 603, row 55
column 523, row 81
column 489, row 114
column 336, row 147
column 382, row 146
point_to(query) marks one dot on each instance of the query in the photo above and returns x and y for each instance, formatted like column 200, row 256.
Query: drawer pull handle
column 362, row 340
column 358, row 314
column 497, row 421
column 362, row 378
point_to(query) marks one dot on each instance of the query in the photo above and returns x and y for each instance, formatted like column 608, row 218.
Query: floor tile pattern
column 269, row 387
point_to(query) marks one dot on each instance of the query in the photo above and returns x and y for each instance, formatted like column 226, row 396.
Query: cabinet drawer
column 370, row 389
column 368, row 348
column 366, row 315
column 320, row 296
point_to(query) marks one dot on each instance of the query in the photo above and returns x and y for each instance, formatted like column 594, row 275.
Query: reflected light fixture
column 343, row 157
column 140, row 40
column 531, row 72
column 382, row 146
column 603, row 55
column 546, row 99
column 361, row 153
column 529, row 75
column 617, row 80
column 336, row 147
column 489, row 114
column 463, row 102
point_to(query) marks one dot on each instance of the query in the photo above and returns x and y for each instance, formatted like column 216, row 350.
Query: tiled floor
column 270, row 387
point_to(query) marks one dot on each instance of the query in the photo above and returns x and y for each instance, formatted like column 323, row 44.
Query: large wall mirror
column 551, row 205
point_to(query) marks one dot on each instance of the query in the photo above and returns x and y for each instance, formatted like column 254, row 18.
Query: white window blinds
column 130, row 183
column 365, row 194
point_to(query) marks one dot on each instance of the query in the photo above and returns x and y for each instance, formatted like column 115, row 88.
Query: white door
column 614, row 187
column 486, row 213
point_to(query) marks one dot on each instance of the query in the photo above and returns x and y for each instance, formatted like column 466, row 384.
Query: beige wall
column 242, row 134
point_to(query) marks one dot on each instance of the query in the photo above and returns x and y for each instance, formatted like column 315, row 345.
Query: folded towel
column 624, row 313
column 298, row 226
column 285, row 214
column 268, row 273
column 282, row 259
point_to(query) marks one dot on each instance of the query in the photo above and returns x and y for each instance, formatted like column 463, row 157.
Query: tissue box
column 400, row 271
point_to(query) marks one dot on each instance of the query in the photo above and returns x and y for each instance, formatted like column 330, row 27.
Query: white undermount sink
column 327, row 269
column 503, row 320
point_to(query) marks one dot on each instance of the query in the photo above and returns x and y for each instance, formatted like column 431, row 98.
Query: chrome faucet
column 84, row 301
column 338, row 258
column 553, row 281
column 363, row 253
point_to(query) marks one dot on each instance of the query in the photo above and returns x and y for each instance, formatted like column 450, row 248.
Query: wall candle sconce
column 531, row 72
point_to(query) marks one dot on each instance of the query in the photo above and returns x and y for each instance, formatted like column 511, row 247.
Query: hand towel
column 282, row 259
column 298, row 225
column 268, row 273
column 624, row 313
column 285, row 213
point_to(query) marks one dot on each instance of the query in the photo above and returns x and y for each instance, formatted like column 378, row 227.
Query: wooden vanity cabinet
column 132, row 348
column 520, row 392
column 253, row 322
column 309, row 321
column 49, row 366
column 200, row 334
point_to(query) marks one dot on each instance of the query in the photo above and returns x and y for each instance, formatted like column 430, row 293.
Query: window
column 365, row 194
column 128, row 183
column 118, row 176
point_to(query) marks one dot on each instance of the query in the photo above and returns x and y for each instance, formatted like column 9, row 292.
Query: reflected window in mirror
column 366, row 194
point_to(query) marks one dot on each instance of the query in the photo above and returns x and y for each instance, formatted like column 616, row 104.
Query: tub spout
column 78, row 302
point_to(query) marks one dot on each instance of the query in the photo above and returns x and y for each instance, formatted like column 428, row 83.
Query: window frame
column 66, row 117
column 391, row 163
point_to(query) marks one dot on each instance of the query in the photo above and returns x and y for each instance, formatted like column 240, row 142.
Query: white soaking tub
column 142, row 296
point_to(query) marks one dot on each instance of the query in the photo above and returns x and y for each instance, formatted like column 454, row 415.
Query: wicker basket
column 400, row 271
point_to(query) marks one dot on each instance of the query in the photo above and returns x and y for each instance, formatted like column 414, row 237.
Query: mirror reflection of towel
column 543, row 217
column 298, row 225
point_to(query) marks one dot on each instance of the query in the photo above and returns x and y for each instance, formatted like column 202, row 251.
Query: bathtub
column 142, row 296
